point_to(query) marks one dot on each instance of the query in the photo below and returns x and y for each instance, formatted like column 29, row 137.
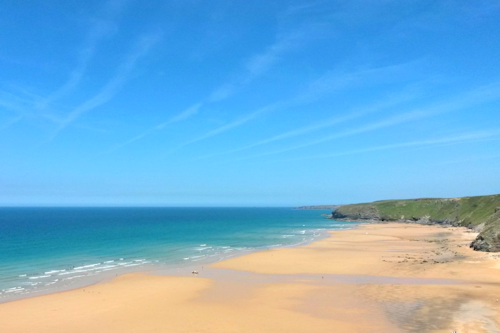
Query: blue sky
column 247, row 103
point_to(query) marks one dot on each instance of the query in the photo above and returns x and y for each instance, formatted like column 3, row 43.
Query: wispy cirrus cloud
column 385, row 123
column 325, row 85
column 11, row 122
column 470, row 158
column 102, row 26
column 189, row 112
column 238, row 122
column 125, row 69
column 183, row 115
column 327, row 123
column 463, row 138
column 253, row 67
column 257, row 65
column 17, row 107
column 476, row 96
column 14, row 102
column 341, row 79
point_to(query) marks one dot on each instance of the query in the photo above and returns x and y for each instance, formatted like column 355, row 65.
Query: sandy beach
column 376, row 278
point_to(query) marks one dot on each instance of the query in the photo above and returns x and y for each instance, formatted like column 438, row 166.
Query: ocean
column 43, row 250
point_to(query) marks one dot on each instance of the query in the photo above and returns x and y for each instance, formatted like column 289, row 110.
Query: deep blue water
column 43, row 248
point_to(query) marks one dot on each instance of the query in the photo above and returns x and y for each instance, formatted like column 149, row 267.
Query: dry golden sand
column 377, row 278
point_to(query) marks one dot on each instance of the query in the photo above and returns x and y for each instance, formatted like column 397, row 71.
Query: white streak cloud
column 320, row 125
column 100, row 29
column 140, row 50
column 476, row 96
column 470, row 137
column 256, row 66
column 189, row 112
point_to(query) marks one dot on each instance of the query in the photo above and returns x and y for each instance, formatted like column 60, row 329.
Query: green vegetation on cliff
column 480, row 213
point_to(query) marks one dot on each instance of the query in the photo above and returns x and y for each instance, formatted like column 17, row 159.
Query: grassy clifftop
column 481, row 213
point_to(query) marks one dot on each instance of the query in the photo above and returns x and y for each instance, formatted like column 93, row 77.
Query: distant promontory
column 318, row 207
column 481, row 213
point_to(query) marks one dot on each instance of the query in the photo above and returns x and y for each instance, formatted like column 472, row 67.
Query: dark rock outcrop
column 489, row 238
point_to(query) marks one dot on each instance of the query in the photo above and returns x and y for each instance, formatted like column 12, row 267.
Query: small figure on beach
column 194, row 272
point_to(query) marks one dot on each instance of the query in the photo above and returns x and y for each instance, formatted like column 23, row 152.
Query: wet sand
column 377, row 278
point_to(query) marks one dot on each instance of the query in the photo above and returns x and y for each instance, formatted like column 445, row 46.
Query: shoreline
column 402, row 276
column 157, row 268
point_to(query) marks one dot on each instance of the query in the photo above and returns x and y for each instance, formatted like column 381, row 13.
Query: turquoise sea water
column 48, row 249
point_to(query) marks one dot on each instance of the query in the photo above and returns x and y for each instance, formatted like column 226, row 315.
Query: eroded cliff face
column 489, row 238
column 479, row 213
column 357, row 212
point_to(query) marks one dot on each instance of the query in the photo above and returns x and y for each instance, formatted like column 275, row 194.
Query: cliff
column 479, row 213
